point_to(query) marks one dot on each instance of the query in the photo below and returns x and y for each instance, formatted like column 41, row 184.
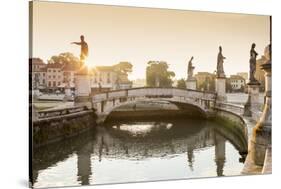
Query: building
column 54, row 76
column 244, row 75
column 205, row 81
column 38, row 70
column 105, row 78
column 68, row 71
column 237, row 83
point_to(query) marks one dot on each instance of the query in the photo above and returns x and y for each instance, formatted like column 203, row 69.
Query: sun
column 88, row 63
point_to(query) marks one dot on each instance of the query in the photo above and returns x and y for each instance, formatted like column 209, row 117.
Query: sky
column 139, row 35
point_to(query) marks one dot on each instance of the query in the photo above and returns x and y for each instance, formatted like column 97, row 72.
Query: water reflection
column 141, row 151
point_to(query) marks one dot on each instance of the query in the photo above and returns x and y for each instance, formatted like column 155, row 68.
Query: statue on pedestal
column 253, row 62
column 220, row 71
column 84, row 48
column 190, row 69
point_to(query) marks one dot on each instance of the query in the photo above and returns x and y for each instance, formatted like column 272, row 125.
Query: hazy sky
column 139, row 35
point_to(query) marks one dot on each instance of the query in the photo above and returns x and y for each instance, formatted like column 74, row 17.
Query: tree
column 181, row 84
column 157, row 74
column 124, row 67
column 64, row 59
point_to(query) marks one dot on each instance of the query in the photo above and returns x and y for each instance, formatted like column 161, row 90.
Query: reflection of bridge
column 120, row 144
column 106, row 102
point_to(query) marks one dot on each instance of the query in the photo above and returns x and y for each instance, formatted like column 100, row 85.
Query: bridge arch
column 106, row 102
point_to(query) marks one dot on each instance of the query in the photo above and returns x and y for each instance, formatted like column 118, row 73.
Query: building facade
column 237, row 83
column 105, row 78
column 38, row 76
column 55, row 76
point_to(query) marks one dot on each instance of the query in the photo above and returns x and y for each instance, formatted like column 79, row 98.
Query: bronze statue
column 220, row 70
column 190, row 69
column 253, row 62
column 84, row 48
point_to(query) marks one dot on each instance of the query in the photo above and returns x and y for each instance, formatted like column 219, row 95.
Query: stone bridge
column 106, row 102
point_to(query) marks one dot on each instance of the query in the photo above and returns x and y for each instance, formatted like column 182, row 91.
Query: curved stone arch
column 105, row 102
column 180, row 105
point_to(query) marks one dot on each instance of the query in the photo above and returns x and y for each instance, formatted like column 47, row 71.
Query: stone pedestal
column 261, row 138
column 252, row 104
column 82, row 89
column 220, row 88
column 191, row 84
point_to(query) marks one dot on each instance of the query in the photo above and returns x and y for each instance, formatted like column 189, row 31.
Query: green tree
column 181, row 84
column 64, row 59
column 157, row 74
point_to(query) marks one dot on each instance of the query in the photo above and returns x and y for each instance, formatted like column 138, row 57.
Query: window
column 49, row 70
column 58, row 83
column 54, row 83
column 49, row 84
column 49, row 77
column 43, row 81
column 43, row 74
column 54, row 77
column 54, row 71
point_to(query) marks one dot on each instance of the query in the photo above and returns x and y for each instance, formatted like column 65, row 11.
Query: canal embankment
column 55, row 125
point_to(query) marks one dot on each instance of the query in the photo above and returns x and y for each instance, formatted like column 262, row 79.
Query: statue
column 190, row 69
column 253, row 62
column 84, row 48
column 220, row 71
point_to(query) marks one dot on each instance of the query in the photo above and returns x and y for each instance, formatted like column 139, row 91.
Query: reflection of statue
column 190, row 69
column 84, row 48
column 253, row 61
column 220, row 71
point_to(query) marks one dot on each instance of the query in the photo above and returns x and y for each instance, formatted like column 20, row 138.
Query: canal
column 141, row 149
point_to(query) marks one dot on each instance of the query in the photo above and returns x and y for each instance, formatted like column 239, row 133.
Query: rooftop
column 36, row 61
column 54, row 65
column 236, row 77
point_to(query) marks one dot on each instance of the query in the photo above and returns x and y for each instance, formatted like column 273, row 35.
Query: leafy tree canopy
column 181, row 84
column 64, row 59
column 157, row 74
column 124, row 67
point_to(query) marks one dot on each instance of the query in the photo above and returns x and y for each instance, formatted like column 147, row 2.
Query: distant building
column 244, row 75
column 237, row 83
column 68, row 76
column 38, row 69
column 105, row 78
column 139, row 83
column 54, row 75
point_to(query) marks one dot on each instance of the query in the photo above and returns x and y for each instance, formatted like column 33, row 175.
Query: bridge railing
column 59, row 112
column 238, row 109
column 153, row 92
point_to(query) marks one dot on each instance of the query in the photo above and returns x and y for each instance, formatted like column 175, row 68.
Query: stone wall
column 235, row 123
column 55, row 129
